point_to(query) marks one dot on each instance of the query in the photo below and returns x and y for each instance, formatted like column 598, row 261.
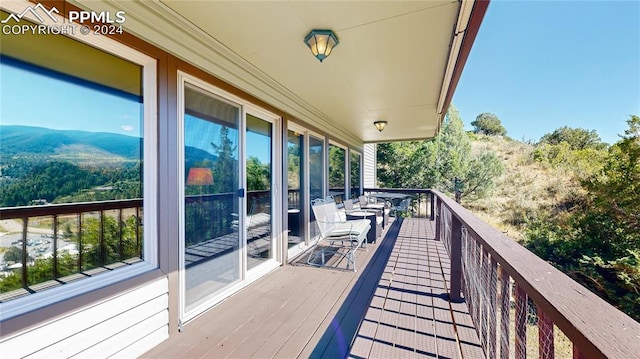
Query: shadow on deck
column 394, row 307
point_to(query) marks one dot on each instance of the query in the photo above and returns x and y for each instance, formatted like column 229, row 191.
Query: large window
column 77, row 128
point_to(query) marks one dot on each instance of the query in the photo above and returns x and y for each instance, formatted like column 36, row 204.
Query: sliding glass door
column 228, row 186
column 211, row 236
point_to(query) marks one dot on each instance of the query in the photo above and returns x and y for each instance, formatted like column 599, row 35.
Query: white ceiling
column 390, row 64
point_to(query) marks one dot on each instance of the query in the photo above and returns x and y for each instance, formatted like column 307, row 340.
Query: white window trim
column 296, row 128
column 249, row 108
column 48, row 297
column 325, row 163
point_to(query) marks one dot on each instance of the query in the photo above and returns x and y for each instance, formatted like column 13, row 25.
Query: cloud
column 127, row 127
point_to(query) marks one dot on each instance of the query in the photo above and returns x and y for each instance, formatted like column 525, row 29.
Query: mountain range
column 77, row 146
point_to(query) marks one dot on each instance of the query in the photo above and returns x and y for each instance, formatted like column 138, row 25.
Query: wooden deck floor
column 393, row 307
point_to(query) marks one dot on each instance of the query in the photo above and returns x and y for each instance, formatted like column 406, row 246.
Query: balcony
column 440, row 283
column 394, row 306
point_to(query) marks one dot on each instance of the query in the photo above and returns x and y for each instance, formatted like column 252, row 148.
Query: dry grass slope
column 526, row 189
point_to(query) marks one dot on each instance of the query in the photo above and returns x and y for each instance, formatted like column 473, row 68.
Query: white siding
column 369, row 166
column 123, row 326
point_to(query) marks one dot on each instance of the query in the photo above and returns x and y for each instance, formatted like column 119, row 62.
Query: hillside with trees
column 42, row 165
column 447, row 162
column 570, row 198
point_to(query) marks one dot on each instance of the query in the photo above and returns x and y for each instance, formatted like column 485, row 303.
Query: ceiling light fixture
column 380, row 125
column 321, row 43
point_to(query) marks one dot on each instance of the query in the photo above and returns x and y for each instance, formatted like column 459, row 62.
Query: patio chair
column 337, row 233
column 403, row 208
column 349, row 207
column 364, row 200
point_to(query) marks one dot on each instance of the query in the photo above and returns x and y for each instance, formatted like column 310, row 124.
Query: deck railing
column 421, row 199
column 521, row 305
column 60, row 243
column 77, row 240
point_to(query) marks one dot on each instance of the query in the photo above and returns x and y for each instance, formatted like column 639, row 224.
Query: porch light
column 380, row 125
column 321, row 43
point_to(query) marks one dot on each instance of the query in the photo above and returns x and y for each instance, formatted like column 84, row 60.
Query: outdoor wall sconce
column 380, row 125
column 321, row 43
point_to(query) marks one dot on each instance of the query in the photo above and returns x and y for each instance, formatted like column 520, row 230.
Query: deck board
column 394, row 306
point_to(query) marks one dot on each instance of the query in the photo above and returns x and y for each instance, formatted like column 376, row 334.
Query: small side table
column 371, row 216
column 382, row 207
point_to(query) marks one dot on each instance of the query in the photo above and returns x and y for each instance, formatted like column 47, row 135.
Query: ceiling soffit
column 389, row 65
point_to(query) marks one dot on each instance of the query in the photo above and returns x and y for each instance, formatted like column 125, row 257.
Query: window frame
column 48, row 297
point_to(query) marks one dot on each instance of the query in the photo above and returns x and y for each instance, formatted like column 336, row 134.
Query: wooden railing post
column 455, row 278
column 433, row 205
column 436, row 216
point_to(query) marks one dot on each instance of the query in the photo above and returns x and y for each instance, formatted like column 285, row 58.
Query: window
column 316, row 178
column 78, row 161
column 337, row 157
column 295, row 175
column 354, row 164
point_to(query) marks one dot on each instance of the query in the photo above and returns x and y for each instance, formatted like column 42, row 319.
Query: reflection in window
column 211, row 216
column 316, row 177
column 336, row 172
column 211, row 147
column 69, row 137
column 259, row 193
column 295, row 170
column 355, row 175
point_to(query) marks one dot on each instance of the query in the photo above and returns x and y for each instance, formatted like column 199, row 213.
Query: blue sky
column 30, row 99
column 537, row 65
column 47, row 105
column 541, row 65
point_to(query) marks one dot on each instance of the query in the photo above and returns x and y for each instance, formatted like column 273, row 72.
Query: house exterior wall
column 125, row 325
column 369, row 167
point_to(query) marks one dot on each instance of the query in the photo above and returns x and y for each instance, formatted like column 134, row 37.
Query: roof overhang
column 397, row 61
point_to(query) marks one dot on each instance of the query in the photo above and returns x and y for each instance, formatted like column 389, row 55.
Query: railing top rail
column 595, row 326
column 66, row 208
column 401, row 190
